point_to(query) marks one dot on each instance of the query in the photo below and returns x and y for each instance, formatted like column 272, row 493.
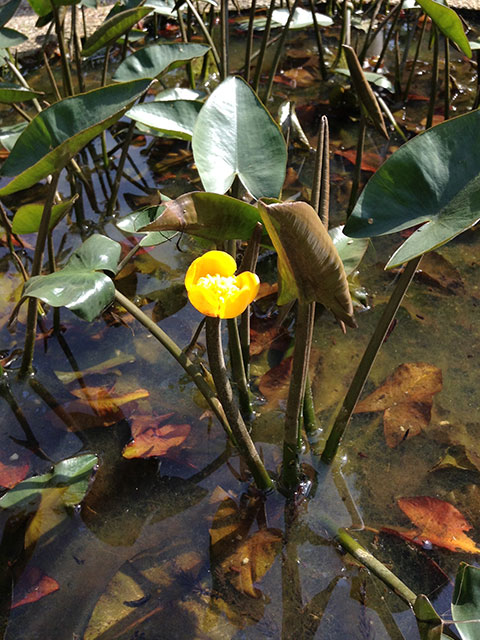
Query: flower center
column 223, row 286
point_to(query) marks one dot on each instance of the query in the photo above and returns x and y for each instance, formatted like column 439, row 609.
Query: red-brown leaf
column 370, row 161
column 274, row 384
column 12, row 472
column 150, row 439
column 33, row 586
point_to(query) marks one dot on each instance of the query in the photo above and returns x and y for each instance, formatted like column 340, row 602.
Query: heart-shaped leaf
column 27, row 219
column 139, row 219
column 207, row 215
column 309, row 266
column 113, row 28
column 81, row 285
column 56, row 134
column 350, row 250
column 432, row 179
column 151, row 61
column 466, row 601
column 235, row 136
column 10, row 93
column 448, row 22
column 11, row 38
column 175, row 118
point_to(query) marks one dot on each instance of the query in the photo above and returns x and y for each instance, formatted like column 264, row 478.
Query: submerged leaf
column 308, row 263
column 33, row 586
column 152, row 440
column 466, row 601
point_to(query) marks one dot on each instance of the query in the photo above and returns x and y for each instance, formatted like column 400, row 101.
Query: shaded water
column 136, row 560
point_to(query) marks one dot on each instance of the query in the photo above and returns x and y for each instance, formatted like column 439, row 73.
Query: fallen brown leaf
column 152, row 440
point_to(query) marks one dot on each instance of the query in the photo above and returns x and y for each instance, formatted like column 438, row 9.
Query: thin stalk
column 9, row 233
column 447, row 79
column 434, row 79
column 391, row 118
column 224, row 38
column 368, row 40
column 343, row 33
column 301, row 359
column 103, row 137
column 476, row 102
column 361, row 374
column 394, row 17
column 320, row 197
column 67, row 76
column 263, row 47
column 292, row 600
column 243, row 440
column 77, row 47
column 30, row 331
column 211, row 25
column 120, row 167
column 238, row 369
column 188, row 366
column 249, row 45
column 309, row 417
column 21, row 112
column 279, row 50
column 23, row 82
column 206, row 34
column 51, row 77
column 249, row 263
column 185, row 38
column 357, row 172
column 412, row 70
column 318, row 37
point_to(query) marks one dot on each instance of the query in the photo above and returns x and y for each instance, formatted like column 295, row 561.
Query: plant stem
column 249, row 263
column 278, row 52
column 446, row 88
column 249, row 46
column 224, row 37
column 263, row 47
column 238, row 369
column 224, row 390
column 30, row 331
column 366, row 363
column 189, row 367
column 412, row 70
column 434, row 79
column 120, row 167
column 357, row 172
column 318, row 37
column 301, row 359
column 67, row 77
column 395, row 14
column 206, row 34
column 77, row 47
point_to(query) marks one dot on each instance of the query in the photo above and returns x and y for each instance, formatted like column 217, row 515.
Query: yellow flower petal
column 211, row 263
column 236, row 304
column 205, row 300
column 250, row 281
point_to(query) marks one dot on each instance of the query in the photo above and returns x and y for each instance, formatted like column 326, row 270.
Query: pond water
column 181, row 546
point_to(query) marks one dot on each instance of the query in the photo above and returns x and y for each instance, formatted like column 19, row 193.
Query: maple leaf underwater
column 214, row 290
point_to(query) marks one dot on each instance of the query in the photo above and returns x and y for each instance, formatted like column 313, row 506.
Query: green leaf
column 351, row 251
column 11, row 38
column 432, row 179
column 179, row 93
column 9, row 135
column 44, row 7
column 207, row 215
column 175, row 118
column 163, row 8
column 377, row 79
column 113, row 28
column 448, row 22
column 57, row 133
column 28, row 217
column 139, row 219
column 7, row 11
column 301, row 18
column 81, row 285
column 151, row 61
column 235, row 136
column 429, row 623
column 73, row 473
column 466, row 601
column 309, row 266
column 10, row 93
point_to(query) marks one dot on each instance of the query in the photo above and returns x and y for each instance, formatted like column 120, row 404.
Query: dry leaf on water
column 12, row 471
column 150, row 439
column 274, row 384
column 33, row 586
column 437, row 270
column 437, row 521
column 406, row 398
column 370, row 161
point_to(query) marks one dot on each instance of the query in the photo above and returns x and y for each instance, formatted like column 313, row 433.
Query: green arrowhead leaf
column 11, row 38
column 28, row 217
column 308, row 263
column 234, row 135
column 207, row 215
column 81, row 285
column 448, row 22
column 10, row 134
column 56, row 134
column 139, row 219
column 175, row 118
column 466, row 601
column 10, row 93
column 151, row 61
column 113, row 28
column 429, row 623
column 432, row 179
column 73, row 472
column 350, row 250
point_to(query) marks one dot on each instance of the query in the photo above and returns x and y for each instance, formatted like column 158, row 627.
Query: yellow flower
column 214, row 290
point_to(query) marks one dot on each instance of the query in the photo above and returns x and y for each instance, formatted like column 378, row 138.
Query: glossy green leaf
column 432, row 179
column 139, row 219
column 429, row 623
column 207, row 215
column 301, row 18
column 10, row 93
column 151, row 61
column 11, row 38
column 7, row 11
column 73, row 473
column 179, row 93
column 377, row 79
column 309, row 266
column 44, row 7
column 162, row 7
column 10, row 134
column 57, row 133
column 350, row 250
column 466, row 601
column 28, row 217
column 175, row 118
column 235, row 136
column 113, row 28
column 448, row 22
column 81, row 285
